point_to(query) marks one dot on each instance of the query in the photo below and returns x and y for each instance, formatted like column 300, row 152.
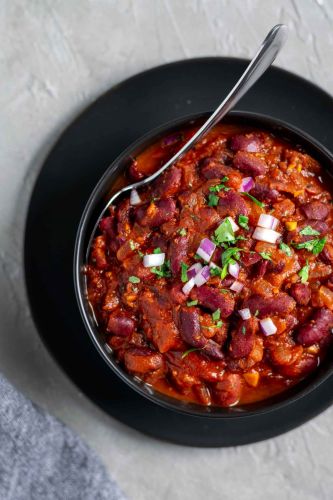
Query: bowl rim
column 169, row 402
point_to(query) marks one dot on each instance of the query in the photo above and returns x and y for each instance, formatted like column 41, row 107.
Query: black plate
column 62, row 189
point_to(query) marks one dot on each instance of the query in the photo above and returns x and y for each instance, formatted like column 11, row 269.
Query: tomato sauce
column 214, row 283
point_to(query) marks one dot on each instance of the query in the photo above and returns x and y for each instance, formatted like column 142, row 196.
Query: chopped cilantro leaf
column 265, row 255
column 186, row 353
column 219, row 187
column 304, row 273
column 182, row 231
column 256, row 313
column 134, row 279
column 157, row 250
column 224, row 233
column 184, row 269
column 192, row 303
column 309, row 231
column 257, row 202
column 231, row 253
column 216, row 315
column 162, row 271
column 140, row 254
column 243, row 221
column 213, row 200
column 215, row 271
column 315, row 246
column 132, row 244
column 285, row 249
column 219, row 323
column 243, row 330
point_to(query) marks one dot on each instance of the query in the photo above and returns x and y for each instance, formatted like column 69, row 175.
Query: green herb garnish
column 224, row 233
column 213, row 200
column 304, row 273
column 315, row 246
column 219, row 187
column 141, row 254
column 162, row 271
column 134, row 279
column 229, row 256
column 243, row 221
column 243, row 330
column 184, row 269
column 215, row 271
column 309, row 231
column 216, row 315
column 285, row 249
column 265, row 255
column 157, row 250
column 186, row 353
column 192, row 303
column 257, row 202
column 182, row 231
column 256, row 313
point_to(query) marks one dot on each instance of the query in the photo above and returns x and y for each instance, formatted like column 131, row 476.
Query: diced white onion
column 153, row 259
column 237, row 286
column 267, row 235
column 234, row 269
column 188, row 286
column 134, row 197
column 193, row 270
column 202, row 277
column 245, row 313
column 233, row 224
column 268, row 221
column 247, row 184
column 206, row 249
column 268, row 327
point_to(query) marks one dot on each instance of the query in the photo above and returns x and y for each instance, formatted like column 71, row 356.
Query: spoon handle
column 264, row 57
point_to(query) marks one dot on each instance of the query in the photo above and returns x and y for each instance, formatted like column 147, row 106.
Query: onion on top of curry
column 214, row 284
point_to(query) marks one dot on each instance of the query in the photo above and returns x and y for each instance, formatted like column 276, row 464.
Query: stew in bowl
column 214, row 284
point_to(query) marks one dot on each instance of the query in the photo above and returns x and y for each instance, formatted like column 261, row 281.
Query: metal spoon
column 264, row 57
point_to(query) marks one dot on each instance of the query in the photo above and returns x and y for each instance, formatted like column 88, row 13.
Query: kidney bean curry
column 214, row 284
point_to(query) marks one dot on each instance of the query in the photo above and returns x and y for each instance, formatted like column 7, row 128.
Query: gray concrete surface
column 56, row 57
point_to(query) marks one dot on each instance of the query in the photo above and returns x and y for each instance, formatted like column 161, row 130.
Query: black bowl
column 97, row 202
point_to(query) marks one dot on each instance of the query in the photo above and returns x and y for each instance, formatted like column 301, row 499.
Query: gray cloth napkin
column 41, row 459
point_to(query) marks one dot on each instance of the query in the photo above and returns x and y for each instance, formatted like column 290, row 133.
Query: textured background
column 56, row 57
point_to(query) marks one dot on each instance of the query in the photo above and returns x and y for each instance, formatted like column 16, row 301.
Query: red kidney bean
column 213, row 350
column 121, row 325
column 211, row 168
column 189, row 327
column 301, row 293
column 267, row 306
column 155, row 215
column 249, row 259
column 316, row 210
column 246, row 142
column 317, row 329
column 178, row 253
column 168, row 184
column 232, row 204
column 249, row 164
column 259, row 269
column 242, row 338
column 213, row 299
column 264, row 193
